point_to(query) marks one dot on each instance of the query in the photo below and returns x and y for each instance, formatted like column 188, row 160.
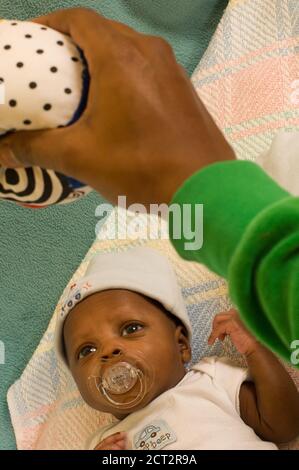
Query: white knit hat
column 141, row 270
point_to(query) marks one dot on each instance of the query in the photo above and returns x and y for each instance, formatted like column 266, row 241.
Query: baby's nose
column 106, row 356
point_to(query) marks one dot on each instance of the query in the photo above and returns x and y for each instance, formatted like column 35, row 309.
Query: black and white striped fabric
column 35, row 187
column 43, row 85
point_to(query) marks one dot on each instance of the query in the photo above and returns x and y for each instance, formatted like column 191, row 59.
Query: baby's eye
column 131, row 328
column 85, row 351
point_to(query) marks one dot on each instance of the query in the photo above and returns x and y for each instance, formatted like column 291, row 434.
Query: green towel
column 41, row 249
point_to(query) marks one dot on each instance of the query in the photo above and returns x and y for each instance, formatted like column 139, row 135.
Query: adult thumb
column 33, row 148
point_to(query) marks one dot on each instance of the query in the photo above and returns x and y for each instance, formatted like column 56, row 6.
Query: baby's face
column 119, row 325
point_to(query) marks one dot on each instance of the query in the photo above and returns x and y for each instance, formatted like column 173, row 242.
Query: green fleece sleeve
column 250, row 237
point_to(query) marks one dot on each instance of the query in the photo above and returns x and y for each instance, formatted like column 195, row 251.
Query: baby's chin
column 121, row 413
column 124, row 408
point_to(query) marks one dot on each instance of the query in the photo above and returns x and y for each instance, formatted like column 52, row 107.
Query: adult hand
column 144, row 130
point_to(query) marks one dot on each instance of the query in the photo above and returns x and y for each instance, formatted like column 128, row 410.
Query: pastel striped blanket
column 249, row 80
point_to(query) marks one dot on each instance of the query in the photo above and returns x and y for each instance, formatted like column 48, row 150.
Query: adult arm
column 251, row 237
column 143, row 133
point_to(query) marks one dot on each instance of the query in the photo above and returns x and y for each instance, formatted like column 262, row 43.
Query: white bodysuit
column 200, row 412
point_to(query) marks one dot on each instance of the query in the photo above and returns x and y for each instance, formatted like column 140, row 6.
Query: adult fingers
column 48, row 149
column 100, row 39
column 88, row 29
column 61, row 20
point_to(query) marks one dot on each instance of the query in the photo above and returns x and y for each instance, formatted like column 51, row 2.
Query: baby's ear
column 183, row 343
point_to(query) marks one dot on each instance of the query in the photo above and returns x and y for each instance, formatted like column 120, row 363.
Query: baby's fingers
column 220, row 331
column 118, row 446
column 114, row 442
column 230, row 314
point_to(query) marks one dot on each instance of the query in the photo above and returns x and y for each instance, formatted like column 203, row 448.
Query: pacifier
column 123, row 384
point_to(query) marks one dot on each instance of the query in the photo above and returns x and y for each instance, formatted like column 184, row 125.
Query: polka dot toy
column 43, row 85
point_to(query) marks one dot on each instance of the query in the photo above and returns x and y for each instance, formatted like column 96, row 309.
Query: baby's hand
column 115, row 442
column 229, row 323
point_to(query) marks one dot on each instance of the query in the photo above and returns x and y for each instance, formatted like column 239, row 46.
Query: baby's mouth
column 120, row 378
column 123, row 384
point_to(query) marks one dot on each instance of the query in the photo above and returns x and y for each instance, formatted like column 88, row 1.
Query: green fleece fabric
column 250, row 237
column 40, row 250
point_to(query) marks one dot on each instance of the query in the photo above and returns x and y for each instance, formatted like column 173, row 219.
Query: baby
column 124, row 334
column 43, row 85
